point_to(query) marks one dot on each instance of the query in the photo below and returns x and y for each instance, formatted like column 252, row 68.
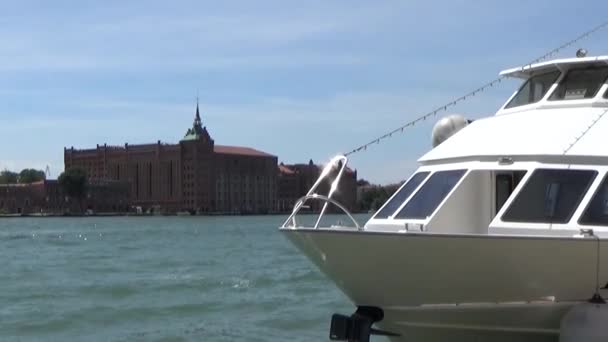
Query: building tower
column 197, row 167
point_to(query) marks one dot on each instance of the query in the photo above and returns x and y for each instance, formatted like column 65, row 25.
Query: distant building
column 288, row 188
column 296, row 179
column 194, row 175
column 21, row 198
column 47, row 197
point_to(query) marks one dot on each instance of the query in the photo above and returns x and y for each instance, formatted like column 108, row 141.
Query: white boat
column 499, row 232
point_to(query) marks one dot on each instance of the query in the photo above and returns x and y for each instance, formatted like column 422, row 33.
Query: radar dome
column 446, row 127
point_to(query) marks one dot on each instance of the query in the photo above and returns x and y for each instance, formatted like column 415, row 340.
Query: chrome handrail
column 326, row 200
column 337, row 160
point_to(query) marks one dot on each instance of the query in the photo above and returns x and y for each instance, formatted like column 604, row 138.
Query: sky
column 298, row 79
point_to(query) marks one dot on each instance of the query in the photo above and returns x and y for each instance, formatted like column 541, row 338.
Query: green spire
column 197, row 118
column 197, row 129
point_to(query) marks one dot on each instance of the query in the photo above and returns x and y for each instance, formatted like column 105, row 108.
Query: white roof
column 579, row 131
column 561, row 64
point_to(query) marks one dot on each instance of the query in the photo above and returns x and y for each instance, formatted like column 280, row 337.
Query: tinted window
column 506, row 182
column 431, row 194
column 550, row 196
column 580, row 84
column 533, row 90
column 597, row 211
column 404, row 193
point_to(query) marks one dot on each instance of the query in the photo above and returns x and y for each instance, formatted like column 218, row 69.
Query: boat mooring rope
column 474, row 92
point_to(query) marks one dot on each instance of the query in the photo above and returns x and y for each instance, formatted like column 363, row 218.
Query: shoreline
column 15, row 216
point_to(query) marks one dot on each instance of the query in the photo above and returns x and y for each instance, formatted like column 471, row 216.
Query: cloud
column 186, row 40
column 36, row 61
column 298, row 79
column 295, row 129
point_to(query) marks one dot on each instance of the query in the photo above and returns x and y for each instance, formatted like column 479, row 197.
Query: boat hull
column 435, row 286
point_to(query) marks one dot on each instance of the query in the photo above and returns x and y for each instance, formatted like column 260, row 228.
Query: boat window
column 431, row 194
column 597, row 211
column 506, row 182
column 580, row 84
column 550, row 196
column 404, row 193
column 534, row 89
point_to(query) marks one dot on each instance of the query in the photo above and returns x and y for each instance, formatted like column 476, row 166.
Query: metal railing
column 337, row 161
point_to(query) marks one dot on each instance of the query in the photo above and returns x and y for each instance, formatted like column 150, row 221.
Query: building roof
column 245, row 151
column 284, row 169
column 24, row 187
column 311, row 166
column 197, row 131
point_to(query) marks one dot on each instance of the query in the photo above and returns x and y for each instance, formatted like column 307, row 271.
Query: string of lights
column 490, row 84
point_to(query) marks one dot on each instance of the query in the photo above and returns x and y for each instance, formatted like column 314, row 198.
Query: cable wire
column 474, row 92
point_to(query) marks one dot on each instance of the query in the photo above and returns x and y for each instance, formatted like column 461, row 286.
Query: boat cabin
column 538, row 166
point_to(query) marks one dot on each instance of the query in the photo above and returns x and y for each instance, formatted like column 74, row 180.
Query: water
column 159, row 279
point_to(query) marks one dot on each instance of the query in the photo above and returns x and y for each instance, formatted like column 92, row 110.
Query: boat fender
column 446, row 127
column 585, row 322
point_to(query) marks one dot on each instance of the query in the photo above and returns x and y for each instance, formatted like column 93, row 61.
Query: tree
column 374, row 196
column 8, row 177
column 31, row 176
column 74, row 183
column 362, row 182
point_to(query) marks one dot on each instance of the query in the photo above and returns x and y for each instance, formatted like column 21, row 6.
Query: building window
column 550, row 196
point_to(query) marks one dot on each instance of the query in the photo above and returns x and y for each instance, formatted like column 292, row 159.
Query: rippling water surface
column 159, row 279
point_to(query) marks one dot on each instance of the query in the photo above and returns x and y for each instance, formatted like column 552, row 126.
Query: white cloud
column 192, row 40
column 72, row 77
column 295, row 129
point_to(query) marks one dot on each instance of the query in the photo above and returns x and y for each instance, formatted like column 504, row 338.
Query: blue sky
column 298, row 79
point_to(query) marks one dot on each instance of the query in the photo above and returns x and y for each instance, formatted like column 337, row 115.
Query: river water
column 160, row 279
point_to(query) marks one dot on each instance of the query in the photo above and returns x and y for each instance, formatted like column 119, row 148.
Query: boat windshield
column 403, row 194
column 550, row 196
column 430, row 195
column 597, row 211
column 580, row 84
column 534, row 89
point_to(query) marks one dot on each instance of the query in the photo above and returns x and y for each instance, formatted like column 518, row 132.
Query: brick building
column 194, row 175
column 22, row 198
column 288, row 188
column 296, row 179
column 47, row 197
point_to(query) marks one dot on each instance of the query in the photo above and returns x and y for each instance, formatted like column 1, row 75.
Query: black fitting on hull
column 358, row 326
